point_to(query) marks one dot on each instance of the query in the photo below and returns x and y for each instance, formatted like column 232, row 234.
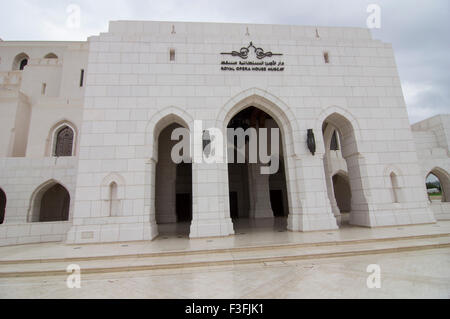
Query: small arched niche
column 113, row 194
column 395, row 187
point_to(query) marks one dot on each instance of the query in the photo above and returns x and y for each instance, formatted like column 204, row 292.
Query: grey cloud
column 416, row 28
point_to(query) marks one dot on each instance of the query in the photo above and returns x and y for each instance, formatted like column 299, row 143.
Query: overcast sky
column 418, row 29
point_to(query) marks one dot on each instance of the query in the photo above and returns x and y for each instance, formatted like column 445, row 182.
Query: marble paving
column 419, row 274
column 265, row 232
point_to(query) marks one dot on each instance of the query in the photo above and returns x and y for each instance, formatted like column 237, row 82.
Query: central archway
column 258, row 201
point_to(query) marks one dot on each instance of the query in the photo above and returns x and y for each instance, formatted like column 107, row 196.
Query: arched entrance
column 345, row 191
column 2, row 206
column 438, row 186
column 173, row 188
column 50, row 203
column 343, row 195
column 258, row 201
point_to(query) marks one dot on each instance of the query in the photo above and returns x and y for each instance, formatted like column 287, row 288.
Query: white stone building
column 85, row 133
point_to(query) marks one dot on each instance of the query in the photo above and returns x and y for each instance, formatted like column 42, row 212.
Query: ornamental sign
column 261, row 66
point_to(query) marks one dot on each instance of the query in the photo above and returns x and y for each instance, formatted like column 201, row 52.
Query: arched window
column 64, row 142
column 20, row 61
column 395, row 188
column 2, row 206
column 51, row 56
column 114, row 202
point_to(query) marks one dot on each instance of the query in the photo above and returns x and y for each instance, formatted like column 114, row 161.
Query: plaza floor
column 423, row 274
column 262, row 260
column 262, row 233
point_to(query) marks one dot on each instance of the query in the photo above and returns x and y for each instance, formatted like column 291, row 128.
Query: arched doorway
column 257, row 201
column 343, row 195
column 50, row 203
column 2, row 206
column 341, row 154
column 173, row 188
column 438, row 186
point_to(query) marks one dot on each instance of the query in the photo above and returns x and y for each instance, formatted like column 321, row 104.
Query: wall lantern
column 311, row 142
column 206, row 142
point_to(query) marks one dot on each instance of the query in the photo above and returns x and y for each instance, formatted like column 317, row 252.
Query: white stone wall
column 132, row 84
column 28, row 112
column 133, row 91
column 432, row 139
column 19, row 179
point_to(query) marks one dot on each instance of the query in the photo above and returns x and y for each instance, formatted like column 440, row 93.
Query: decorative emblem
column 260, row 54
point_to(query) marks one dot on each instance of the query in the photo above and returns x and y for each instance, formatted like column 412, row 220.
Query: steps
column 222, row 257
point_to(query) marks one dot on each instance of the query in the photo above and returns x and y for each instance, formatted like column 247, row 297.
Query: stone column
column 362, row 208
column 149, row 202
column 314, row 209
column 259, row 192
column 211, row 208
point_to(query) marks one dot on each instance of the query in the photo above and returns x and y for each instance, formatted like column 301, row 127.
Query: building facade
column 86, row 133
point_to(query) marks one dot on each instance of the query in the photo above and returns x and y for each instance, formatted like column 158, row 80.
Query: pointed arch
column 394, row 182
column 268, row 103
column 286, row 121
column 349, row 134
column 50, row 202
column 20, row 61
column 444, row 180
column 106, row 183
column 160, row 121
column 343, row 120
column 113, row 194
column 53, row 137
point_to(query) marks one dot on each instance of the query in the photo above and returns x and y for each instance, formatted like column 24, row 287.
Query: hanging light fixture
column 311, row 142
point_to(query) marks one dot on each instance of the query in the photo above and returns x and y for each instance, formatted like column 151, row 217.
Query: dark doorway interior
column 342, row 193
column 276, row 200
column 55, row 205
column 2, row 206
column 184, row 208
column 234, row 207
